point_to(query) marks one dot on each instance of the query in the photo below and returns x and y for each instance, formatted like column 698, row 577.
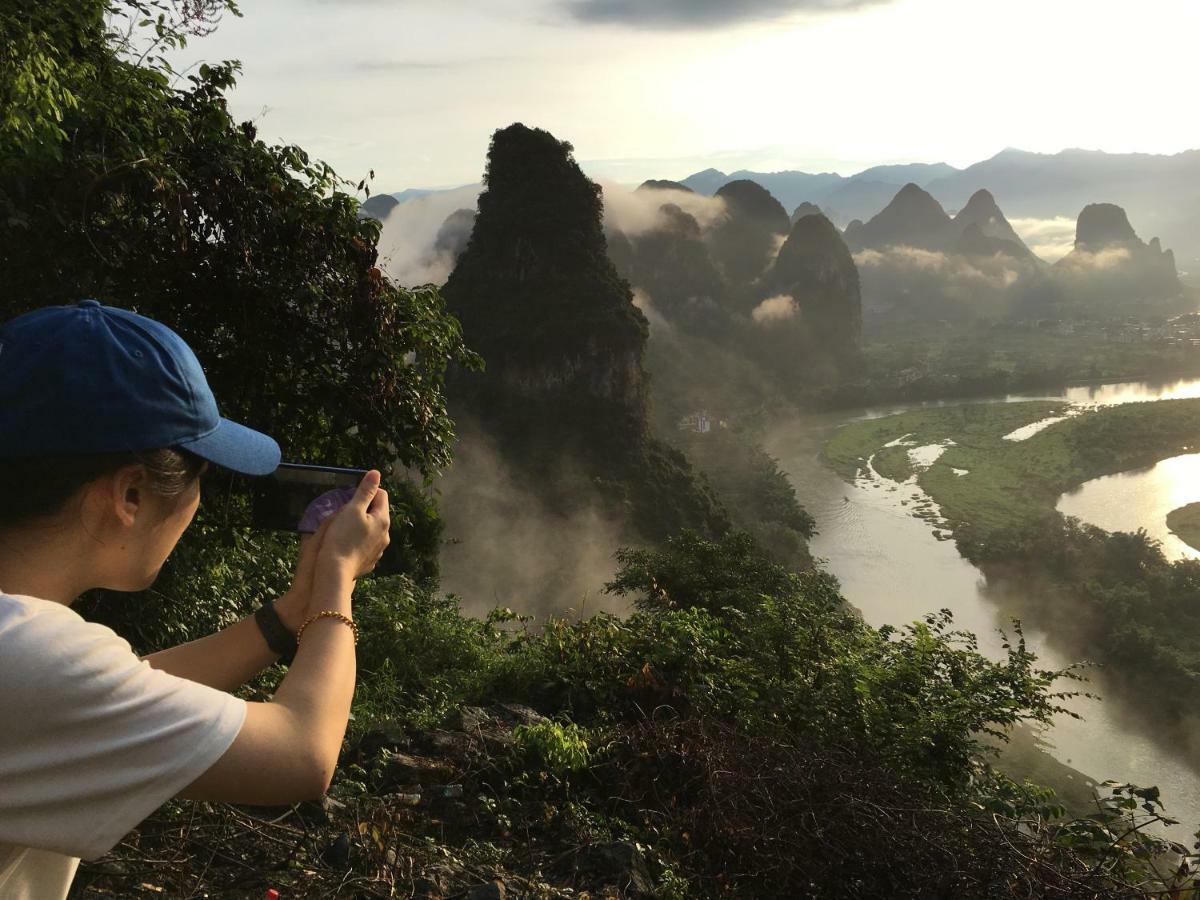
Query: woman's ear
column 128, row 493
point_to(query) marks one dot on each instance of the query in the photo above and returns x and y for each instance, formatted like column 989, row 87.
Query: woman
column 106, row 423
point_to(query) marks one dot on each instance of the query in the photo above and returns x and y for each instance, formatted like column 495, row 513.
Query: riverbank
column 1185, row 522
column 1115, row 596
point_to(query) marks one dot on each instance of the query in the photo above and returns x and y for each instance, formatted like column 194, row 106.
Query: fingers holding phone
column 357, row 535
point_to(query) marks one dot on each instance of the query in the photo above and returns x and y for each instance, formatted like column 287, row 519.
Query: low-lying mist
column 506, row 547
column 406, row 244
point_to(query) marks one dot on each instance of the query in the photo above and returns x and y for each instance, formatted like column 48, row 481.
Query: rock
column 319, row 811
column 469, row 719
column 407, row 769
column 430, row 887
column 385, row 735
column 620, row 864
column 520, row 714
column 452, row 791
column 337, row 854
column 492, row 891
column 470, row 725
column 454, row 744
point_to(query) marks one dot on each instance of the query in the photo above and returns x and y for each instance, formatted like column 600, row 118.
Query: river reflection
column 894, row 570
column 1140, row 499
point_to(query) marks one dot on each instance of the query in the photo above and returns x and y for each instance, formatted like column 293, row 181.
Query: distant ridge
column 1157, row 190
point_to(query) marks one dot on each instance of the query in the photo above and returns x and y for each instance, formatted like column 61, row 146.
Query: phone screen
column 281, row 499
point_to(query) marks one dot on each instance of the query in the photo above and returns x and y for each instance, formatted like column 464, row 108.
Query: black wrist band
column 278, row 638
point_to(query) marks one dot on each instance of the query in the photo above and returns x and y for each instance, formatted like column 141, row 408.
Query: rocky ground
column 432, row 814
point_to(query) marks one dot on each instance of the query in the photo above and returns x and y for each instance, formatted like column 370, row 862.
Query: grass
column 1016, row 484
column 1185, row 522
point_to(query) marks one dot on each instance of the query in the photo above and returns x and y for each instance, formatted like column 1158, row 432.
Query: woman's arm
column 231, row 657
column 287, row 749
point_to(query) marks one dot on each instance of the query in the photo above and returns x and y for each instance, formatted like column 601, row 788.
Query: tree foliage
column 155, row 199
column 123, row 180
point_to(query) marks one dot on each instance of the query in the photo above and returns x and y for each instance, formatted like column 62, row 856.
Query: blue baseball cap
column 96, row 379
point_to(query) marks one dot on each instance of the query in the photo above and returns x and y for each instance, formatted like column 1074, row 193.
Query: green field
column 1012, row 485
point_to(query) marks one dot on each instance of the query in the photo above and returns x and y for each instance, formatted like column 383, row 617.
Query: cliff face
column 536, row 293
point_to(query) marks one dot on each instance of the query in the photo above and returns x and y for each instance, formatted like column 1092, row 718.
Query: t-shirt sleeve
column 93, row 739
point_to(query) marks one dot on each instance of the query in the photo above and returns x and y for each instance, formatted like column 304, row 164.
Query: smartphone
column 284, row 500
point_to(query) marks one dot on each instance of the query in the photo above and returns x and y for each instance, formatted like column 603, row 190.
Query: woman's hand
column 351, row 542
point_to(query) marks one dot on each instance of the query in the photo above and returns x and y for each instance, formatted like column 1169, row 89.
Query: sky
column 413, row 89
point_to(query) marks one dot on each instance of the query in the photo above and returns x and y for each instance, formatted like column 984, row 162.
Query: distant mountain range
column 1160, row 192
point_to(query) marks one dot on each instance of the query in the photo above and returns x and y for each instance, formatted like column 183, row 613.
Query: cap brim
column 237, row 447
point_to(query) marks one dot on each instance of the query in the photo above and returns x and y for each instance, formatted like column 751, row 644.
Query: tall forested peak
column 814, row 249
column 1110, row 267
column 535, row 290
column 750, row 200
column 378, row 206
column 805, row 209
column 914, row 200
column 815, row 273
column 663, row 184
column 982, row 212
column 745, row 239
column 1102, row 225
column 913, row 218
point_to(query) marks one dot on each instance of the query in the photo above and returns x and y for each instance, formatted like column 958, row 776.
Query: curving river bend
column 893, row 568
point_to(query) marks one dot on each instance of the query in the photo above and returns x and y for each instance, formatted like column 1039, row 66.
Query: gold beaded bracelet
column 328, row 614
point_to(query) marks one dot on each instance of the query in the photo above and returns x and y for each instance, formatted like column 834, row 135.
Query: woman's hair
column 34, row 488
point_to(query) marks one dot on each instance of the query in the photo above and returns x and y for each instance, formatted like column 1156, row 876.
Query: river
column 894, row 570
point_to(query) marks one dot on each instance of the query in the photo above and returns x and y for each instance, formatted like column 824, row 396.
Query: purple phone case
column 322, row 508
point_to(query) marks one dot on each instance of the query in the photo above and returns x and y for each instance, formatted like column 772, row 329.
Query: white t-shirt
column 92, row 740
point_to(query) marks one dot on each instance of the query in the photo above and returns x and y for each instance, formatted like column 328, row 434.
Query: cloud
column 659, row 326
column 779, row 308
column 685, row 14
column 1100, row 261
column 636, row 212
column 1050, row 239
column 995, row 271
column 406, row 243
column 506, row 547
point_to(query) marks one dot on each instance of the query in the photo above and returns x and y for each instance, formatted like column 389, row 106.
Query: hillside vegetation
column 741, row 733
